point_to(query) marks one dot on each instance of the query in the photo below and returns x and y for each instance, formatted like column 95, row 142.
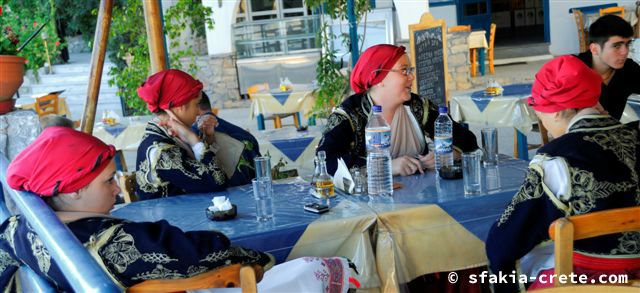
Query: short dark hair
column 205, row 103
column 609, row 26
column 55, row 120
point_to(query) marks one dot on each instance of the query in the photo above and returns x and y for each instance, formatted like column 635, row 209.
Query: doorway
column 518, row 22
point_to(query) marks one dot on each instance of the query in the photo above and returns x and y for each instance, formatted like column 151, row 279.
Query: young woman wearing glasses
column 383, row 76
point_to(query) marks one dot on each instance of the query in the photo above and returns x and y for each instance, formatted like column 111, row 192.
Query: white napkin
column 342, row 178
column 220, row 203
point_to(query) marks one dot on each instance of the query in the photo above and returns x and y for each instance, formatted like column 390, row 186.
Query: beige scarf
column 406, row 137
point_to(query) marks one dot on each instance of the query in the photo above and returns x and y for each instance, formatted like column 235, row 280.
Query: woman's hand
column 428, row 161
column 179, row 130
column 405, row 165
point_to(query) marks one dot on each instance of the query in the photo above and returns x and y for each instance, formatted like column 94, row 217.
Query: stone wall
column 458, row 63
column 77, row 45
column 220, row 79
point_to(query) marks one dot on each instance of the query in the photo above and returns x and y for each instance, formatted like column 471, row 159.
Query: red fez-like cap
column 60, row 160
column 367, row 71
column 565, row 83
column 167, row 89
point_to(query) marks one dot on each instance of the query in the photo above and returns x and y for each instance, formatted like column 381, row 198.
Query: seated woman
column 591, row 165
column 172, row 159
column 74, row 173
column 383, row 76
column 240, row 147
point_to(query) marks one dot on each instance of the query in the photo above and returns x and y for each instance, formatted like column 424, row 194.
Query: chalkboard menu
column 428, row 43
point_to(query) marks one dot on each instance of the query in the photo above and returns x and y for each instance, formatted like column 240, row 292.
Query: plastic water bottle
column 378, row 140
column 443, row 139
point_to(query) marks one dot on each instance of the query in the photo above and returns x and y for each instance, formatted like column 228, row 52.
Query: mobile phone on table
column 316, row 208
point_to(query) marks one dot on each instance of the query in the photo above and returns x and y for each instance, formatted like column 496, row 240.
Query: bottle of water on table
column 378, row 141
column 443, row 139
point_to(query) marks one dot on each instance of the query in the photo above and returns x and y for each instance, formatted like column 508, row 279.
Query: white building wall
column 446, row 12
column 220, row 40
column 409, row 12
column 564, row 34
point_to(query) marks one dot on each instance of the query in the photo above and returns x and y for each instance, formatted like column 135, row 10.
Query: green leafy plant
column 332, row 84
column 130, row 51
column 20, row 19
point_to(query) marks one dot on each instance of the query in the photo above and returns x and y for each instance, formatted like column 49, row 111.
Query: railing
column 79, row 268
column 276, row 36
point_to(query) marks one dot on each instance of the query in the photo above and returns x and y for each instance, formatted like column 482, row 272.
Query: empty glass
column 471, row 172
column 490, row 146
column 263, row 195
column 263, row 166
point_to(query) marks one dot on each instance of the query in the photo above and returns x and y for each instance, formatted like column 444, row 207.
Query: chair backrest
column 459, row 28
column 492, row 35
column 227, row 277
column 256, row 88
column 47, row 105
column 128, row 187
column 582, row 35
column 566, row 230
column 618, row 10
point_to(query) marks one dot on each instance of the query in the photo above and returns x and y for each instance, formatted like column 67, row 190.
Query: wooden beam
column 97, row 64
column 155, row 35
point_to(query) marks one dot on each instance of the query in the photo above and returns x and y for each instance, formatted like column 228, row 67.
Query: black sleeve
column 136, row 252
column 337, row 141
column 522, row 226
column 633, row 75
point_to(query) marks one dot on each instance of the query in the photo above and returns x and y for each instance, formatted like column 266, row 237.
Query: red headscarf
column 565, row 83
column 367, row 71
column 60, row 160
column 168, row 89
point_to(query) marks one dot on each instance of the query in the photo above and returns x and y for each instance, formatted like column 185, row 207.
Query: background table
column 427, row 226
column 300, row 99
column 507, row 110
column 126, row 135
column 296, row 148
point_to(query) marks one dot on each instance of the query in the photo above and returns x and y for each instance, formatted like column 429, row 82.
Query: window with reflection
column 274, row 27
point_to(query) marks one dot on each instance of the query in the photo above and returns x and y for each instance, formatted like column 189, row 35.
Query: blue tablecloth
column 441, row 200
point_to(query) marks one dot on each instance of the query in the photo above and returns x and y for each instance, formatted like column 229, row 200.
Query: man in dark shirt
column 610, row 37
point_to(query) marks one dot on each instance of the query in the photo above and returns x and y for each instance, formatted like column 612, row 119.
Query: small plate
column 222, row 215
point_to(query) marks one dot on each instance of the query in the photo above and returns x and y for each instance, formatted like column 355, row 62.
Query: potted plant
column 11, row 67
column 20, row 24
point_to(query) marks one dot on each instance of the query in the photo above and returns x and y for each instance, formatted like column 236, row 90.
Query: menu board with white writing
column 429, row 58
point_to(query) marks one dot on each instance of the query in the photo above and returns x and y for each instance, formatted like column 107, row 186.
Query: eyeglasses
column 406, row 71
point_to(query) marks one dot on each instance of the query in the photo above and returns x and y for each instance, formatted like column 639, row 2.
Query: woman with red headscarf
column 383, row 76
column 74, row 173
column 172, row 159
column 591, row 165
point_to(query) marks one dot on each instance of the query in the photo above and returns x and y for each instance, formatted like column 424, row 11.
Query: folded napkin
column 342, row 178
column 220, row 203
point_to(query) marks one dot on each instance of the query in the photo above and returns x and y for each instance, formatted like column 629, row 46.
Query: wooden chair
column 459, row 28
column 582, row 34
column 618, row 10
column 566, row 230
column 492, row 38
column 48, row 104
column 233, row 276
column 127, row 184
column 544, row 138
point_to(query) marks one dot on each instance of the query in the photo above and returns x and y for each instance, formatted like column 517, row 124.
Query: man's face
column 614, row 52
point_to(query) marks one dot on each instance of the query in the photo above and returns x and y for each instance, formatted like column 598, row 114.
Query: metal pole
column 80, row 269
column 155, row 35
column 353, row 31
column 97, row 64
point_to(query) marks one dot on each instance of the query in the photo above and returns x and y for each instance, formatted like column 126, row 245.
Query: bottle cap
column 322, row 156
column 442, row 110
column 377, row 109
